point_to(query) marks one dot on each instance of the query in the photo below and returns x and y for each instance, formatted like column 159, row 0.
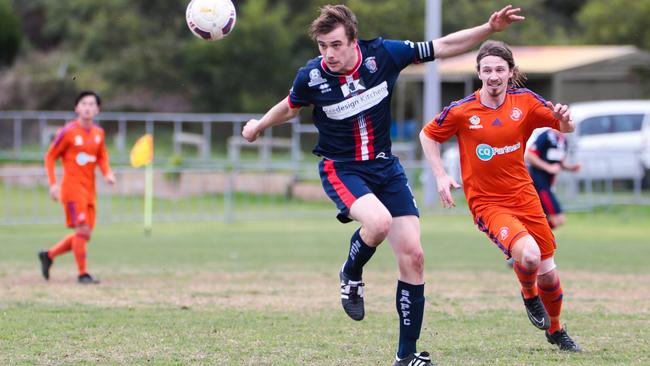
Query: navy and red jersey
column 352, row 110
column 551, row 146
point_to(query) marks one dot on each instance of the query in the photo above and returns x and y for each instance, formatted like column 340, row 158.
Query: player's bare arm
column 539, row 163
column 462, row 41
column 278, row 114
column 444, row 182
column 110, row 178
column 55, row 192
column 562, row 113
column 571, row 167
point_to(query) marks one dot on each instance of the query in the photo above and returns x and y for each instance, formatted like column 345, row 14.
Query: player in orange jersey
column 492, row 126
column 80, row 145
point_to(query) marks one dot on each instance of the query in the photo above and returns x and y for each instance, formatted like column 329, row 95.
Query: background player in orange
column 80, row 145
column 492, row 126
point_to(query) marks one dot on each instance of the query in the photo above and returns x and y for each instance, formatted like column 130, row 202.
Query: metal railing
column 27, row 134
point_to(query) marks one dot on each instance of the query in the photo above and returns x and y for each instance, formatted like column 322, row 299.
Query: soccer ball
column 211, row 19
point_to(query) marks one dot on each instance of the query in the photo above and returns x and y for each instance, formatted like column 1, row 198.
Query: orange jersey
column 80, row 149
column 492, row 143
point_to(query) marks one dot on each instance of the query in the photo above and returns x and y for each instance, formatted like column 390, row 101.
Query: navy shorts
column 345, row 181
column 550, row 204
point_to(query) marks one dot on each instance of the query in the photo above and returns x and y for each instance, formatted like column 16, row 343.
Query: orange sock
column 79, row 249
column 528, row 280
column 61, row 247
column 552, row 298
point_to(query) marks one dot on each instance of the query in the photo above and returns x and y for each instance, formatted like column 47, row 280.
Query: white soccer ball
column 211, row 19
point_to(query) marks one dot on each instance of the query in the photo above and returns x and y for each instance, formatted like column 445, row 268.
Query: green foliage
column 140, row 53
column 9, row 33
column 616, row 22
column 249, row 70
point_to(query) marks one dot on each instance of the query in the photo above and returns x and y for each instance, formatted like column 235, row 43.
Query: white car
column 612, row 139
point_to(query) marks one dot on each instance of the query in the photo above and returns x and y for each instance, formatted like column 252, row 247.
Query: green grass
column 265, row 293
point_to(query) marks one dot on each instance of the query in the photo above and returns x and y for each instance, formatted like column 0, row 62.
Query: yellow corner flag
column 142, row 155
column 142, row 151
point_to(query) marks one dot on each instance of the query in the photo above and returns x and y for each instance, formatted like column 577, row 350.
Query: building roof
column 532, row 59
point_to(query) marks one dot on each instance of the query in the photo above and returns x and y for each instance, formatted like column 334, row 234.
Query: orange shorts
column 504, row 226
column 79, row 212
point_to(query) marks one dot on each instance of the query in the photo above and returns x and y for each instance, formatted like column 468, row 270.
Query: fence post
column 18, row 135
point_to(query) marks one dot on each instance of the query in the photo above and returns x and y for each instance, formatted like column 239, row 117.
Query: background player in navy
column 546, row 157
column 350, row 86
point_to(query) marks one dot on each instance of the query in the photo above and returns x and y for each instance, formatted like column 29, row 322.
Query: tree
column 9, row 34
column 616, row 22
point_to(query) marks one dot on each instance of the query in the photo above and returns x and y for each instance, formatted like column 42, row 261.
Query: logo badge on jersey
column 486, row 152
column 78, row 140
column 497, row 122
column 315, row 78
column 352, row 86
column 98, row 139
column 516, row 114
column 476, row 122
column 371, row 64
column 503, row 233
column 325, row 88
column 83, row 159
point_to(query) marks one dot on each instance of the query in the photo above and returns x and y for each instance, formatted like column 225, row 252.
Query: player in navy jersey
column 350, row 86
column 546, row 157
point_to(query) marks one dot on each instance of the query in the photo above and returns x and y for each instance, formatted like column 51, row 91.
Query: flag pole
column 142, row 154
column 148, row 198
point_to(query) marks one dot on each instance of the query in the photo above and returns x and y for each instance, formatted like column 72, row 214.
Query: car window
column 595, row 126
column 627, row 122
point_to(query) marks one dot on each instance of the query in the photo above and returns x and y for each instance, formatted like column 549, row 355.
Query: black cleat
column 46, row 263
column 537, row 313
column 562, row 340
column 415, row 359
column 352, row 297
column 87, row 279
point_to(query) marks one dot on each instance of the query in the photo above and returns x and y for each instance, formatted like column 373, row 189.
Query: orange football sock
column 552, row 298
column 528, row 280
column 79, row 249
column 61, row 247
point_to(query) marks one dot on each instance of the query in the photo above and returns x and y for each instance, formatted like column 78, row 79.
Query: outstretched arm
column 444, row 182
column 278, row 114
column 462, row 41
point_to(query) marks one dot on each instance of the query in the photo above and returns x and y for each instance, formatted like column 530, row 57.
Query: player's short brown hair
column 331, row 17
column 501, row 49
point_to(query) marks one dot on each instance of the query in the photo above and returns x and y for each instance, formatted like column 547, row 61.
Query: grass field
column 266, row 293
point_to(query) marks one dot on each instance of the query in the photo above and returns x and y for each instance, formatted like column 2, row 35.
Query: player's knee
column 417, row 260
column 530, row 261
column 412, row 262
column 379, row 228
column 531, row 257
column 84, row 231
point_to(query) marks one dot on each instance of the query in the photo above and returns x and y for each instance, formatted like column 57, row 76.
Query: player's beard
column 495, row 90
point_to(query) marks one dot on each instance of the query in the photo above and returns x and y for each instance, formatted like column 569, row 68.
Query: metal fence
column 225, row 187
column 248, row 191
column 27, row 134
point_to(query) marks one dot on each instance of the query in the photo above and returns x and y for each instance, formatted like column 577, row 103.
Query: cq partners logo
column 83, row 158
column 484, row 152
